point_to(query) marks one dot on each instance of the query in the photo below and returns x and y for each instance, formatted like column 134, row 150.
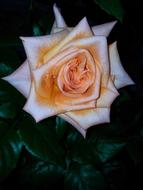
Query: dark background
column 18, row 17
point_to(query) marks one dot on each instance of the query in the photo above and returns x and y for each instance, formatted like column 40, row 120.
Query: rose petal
column 21, row 79
column 37, row 47
column 35, row 108
column 59, row 23
column 88, row 118
column 103, row 29
column 121, row 78
column 73, row 123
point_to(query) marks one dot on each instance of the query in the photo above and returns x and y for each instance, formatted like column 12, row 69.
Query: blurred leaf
column 10, row 149
column 36, row 30
column 3, row 128
column 8, row 110
column 40, row 142
column 135, row 151
column 84, row 177
column 112, row 7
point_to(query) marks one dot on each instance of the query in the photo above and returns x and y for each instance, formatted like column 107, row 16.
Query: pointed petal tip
column 103, row 29
column 35, row 116
column 84, row 20
column 55, row 7
column 22, row 38
column 117, row 70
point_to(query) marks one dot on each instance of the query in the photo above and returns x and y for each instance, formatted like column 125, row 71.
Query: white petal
column 103, row 29
column 60, row 23
column 121, row 78
column 88, row 118
column 107, row 95
column 34, row 46
column 73, row 123
column 21, row 79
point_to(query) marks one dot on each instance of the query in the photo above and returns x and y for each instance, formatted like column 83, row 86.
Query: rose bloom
column 72, row 73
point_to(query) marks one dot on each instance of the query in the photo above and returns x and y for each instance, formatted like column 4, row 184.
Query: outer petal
column 21, row 79
column 59, row 23
column 58, row 18
column 103, row 29
column 107, row 95
column 120, row 77
column 37, row 47
column 73, row 123
column 34, row 107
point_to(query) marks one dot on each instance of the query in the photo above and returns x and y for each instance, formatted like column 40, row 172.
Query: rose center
column 75, row 76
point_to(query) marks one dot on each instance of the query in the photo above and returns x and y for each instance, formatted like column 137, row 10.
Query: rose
column 71, row 73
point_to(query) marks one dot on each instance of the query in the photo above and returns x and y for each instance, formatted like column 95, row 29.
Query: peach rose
column 72, row 73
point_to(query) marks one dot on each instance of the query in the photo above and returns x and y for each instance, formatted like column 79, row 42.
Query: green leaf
column 8, row 111
column 82, row 153
column 106, row 149
column 41, row 174
column 5, row 69
column 112, row 7
column 10, row 149
column 61, row 127
column 84, row 177
column 40, row 141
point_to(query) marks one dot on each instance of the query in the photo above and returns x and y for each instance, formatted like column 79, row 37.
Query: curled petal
column 103, row 29
column 21, row 79
column 119, row 75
